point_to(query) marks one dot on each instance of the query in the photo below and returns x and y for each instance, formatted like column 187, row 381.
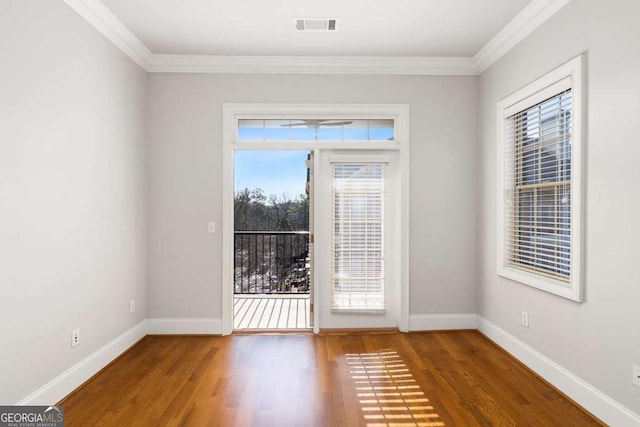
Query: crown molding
column 524, row 23
column 538, row 11
column 311, row 65
column 97, row 14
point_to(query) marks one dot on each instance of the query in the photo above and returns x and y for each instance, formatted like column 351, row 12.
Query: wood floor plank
column 258, row 313
column 283, row 321
column 430, row 379
column 290, row 311
column 240, row 309
column 302, row 314
column 239, row 319
column 277, row 310
column 251, row 313
column 292, row 314
column 268, row 312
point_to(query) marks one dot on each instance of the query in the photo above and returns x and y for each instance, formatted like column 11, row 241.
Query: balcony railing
column 271, row 262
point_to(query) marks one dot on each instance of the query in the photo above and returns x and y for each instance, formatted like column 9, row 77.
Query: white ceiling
column 411, row 28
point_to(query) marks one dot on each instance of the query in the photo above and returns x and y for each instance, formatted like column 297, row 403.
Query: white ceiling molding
column 113, row 29
column 311, row 65
column 534, row 14
column 530, row 18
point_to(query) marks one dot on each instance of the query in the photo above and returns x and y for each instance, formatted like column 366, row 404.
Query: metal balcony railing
column 271, row 262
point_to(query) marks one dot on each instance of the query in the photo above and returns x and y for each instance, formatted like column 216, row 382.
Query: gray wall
column 599, row 339
column 185, row 166
column 72, row 192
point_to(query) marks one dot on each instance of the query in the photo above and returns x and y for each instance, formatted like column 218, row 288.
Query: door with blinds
column 358, row 239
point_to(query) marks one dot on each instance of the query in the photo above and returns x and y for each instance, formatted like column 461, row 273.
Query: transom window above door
column 324, row 129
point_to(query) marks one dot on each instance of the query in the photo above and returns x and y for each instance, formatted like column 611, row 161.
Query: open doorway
column 272, row 256
column 331, row 132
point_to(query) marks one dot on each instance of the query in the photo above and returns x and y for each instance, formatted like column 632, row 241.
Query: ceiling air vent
column 315, row 24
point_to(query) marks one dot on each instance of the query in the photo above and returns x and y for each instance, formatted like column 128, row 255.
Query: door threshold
column 359, row 331
column 301, row 331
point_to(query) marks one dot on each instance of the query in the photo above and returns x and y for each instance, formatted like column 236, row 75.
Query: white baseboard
column 592, row 399
column 439, row 322
column 168, row 326
column 72, row 378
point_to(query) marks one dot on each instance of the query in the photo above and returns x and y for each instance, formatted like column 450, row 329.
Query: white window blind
column 358, row 267
column 538, row 168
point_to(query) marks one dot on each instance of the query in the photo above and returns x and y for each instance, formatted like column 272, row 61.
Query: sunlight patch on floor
column 388, row 393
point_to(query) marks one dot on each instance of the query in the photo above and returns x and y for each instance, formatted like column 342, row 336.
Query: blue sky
column 276, row 172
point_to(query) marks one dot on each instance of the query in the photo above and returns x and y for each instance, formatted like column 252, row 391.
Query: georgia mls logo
column 53, row 408
column 31, row 416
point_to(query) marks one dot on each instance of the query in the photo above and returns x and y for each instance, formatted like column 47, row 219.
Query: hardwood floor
column 392, row 380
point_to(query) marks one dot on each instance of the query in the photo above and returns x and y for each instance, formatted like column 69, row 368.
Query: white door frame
column 230, row 143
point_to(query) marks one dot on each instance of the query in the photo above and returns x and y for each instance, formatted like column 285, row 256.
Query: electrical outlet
column 211, row 227
column 75, row 337
column 132, row 306
column 636, row 375
column 524, row 320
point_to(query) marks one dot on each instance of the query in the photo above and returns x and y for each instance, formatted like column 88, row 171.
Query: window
column 539, row 184
column 326, row 129
column 358, row 267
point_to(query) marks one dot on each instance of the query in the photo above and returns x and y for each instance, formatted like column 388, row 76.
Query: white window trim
column 231, row 112
column 567, row 75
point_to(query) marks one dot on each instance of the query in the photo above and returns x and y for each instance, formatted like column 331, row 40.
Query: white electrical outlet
column 636, row 375
column 211, row 227
column 524, row 320
column 75, row 337
column 132, row 306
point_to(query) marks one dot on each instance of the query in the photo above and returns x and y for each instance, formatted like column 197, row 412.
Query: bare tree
column 272, row 255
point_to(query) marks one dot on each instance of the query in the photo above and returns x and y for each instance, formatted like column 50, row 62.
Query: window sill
column 569, row 290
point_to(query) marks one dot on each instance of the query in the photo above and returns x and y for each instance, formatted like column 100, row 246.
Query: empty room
column 337, row 213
